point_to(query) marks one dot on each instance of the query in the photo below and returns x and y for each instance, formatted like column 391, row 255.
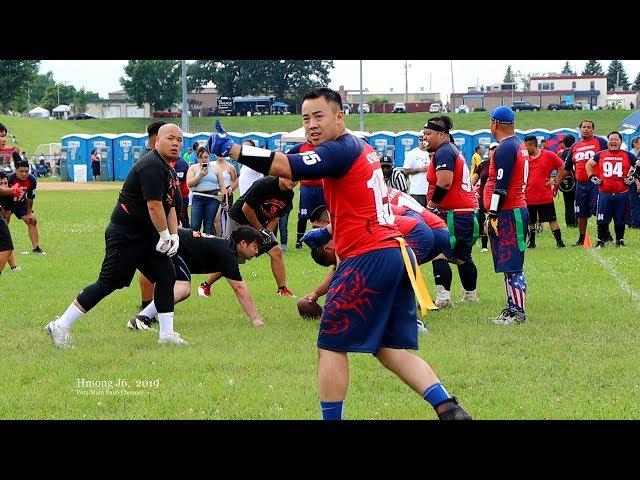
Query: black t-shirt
column 149, row 179
column 266, row 198
column 209, row 255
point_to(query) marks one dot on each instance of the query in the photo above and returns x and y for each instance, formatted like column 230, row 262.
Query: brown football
column 309, row 309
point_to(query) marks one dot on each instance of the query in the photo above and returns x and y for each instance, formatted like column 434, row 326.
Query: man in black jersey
column 199, row 253
column 142, row 235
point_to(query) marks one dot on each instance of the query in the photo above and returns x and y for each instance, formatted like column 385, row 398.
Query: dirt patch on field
column 78, row 186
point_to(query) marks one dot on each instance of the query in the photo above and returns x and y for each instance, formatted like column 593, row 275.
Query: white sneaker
column 171, row 337
column 506, row 317
column 422, row 328
column 443, row 297
column 60, row 337
column 469, row 296
column 484, row 250
column 16, row 269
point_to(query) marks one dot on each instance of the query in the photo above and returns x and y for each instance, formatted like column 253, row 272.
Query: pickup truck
column 564, row 105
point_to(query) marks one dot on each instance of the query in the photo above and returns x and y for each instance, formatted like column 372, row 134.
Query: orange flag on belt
column 587, row 241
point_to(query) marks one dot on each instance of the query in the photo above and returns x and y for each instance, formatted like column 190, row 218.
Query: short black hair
column 16, row 156
column 320, row 213
column 328, row 94
column 248, row 234
column 593, row 125
column 201, row 150
column 154, row 127
column 616, row 132
column 478, row 146
column 195, row 145
column 319, row 257
column 568, row 140
column 253, row 144
column 3, row 128
column 531, row 138
column 21, row 163
column 2, row 173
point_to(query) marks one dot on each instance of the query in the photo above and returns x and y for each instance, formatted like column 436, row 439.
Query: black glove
column 595, row 180
column 492, row 224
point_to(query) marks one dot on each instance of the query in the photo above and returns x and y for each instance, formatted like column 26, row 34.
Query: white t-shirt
column 246, row 178
column 417, row 158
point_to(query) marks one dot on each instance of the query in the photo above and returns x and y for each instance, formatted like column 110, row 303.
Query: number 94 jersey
column 614, row 168
column 460, row 194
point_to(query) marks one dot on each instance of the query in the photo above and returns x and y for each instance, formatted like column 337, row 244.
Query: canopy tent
column 39, row 112
column 298, row 136
column 279, row 105
column 632, row 121
column 62, row 108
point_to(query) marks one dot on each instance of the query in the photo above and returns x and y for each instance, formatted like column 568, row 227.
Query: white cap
column 493, row 145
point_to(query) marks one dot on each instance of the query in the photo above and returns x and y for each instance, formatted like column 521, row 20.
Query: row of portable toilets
column 118, row 152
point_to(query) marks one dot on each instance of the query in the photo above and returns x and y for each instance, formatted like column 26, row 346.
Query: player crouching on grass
column 22, row 206
column 199, row 253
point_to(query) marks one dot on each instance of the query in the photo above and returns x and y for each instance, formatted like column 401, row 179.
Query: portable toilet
column 628, row 135
column 463, row 139
column 379, row 140
column 404, row 141
column 483, row 137
column 540, row 133
column 124, row 146
column 104, row 143
column 274, row 142
column 521, row 133
column 75, row 148
column 187, row 141
column 201, row 138
column 261, row 139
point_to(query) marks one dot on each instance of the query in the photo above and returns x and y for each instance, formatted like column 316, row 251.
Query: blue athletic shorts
column 310, row 199
column 19, row 210
column 370, row 304
column 440, row 244
column 586, row 199
column 612, row 206
column 420, row 239
column 508, row 249
column 463, row 233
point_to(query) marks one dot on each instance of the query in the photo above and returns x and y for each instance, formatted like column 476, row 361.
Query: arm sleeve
column 445, row 160
column 331, row 159
column 603, row 143
column 596, row 157
column 568, row 163
column 504, row 159
column 151, row 182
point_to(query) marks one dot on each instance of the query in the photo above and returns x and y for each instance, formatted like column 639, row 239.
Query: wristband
column 495, row 202
column 438, row 194
column 164, row 235
column 258, row 159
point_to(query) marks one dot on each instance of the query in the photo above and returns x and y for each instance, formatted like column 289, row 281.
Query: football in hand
column 309, row 309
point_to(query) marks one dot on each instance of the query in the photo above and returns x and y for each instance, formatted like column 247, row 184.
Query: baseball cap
column 503, row 115
column 386, row 160
column 493, row 145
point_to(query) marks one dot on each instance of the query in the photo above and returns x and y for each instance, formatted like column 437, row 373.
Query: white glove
column 164, row 244
column 175, row 243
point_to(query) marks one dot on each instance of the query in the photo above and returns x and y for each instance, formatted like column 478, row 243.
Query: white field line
column 624, row 285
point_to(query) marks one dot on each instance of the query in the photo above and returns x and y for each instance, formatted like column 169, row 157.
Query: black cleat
column 620, row 243
column 561, row 244
column 450, row 410
column 531, row 245
column 298, row 245
column 38, row 250
column 579, row 243
column 600, row 244
column 140, row 322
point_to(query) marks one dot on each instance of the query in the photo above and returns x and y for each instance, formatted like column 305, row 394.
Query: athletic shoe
column 469, row 296
column 519, row 317
column 298, row 245
column 283, row 248
column 285, row 292
column 619, row 243
column 578, row 243
column 204, row 290
column 16, row 269
column 140, row 322
column 171, row 337
column 561, row 244
column 451, row 410
column 484, row 250
column 443, row 298
column 600, row 244
column 505, row 317
column 40, row 251
column 60, row 337
column 531, row 246
column 422, row 328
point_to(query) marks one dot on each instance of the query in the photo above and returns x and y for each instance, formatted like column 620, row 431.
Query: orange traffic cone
column 587, row 241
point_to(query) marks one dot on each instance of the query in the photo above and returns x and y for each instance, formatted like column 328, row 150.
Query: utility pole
column 361, row 101
column 185, row 104
column 406, row 82
column 452, row 106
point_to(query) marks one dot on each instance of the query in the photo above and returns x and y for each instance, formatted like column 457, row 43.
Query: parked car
column 399, row 108
column 80, row 116
column 462, row 109
column 518, row 105
column 564, row 105
column 346, row 108
column 435, row 108
column 365, row 108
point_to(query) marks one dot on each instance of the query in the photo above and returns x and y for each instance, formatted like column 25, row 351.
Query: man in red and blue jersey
column 370, row 305
column 507, row 217
column 22, row 206
column 586, row 192
column 451, row 195
column 615, row 174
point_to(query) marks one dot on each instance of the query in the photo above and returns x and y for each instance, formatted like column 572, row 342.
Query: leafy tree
column 80, row 101
column 157, row 82
column 15, row 76
column 508, row 77
column 617, row 74
column 67, row 94
column 593, row 67
column 525, row 78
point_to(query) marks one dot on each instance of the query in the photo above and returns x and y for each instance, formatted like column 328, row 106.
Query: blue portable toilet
column 259, row 138
column 187, row 141
column 464, row 141
column 101, row 141
column 628, row 135
column 200, row 137
column 288, row 140
column 77, row 153
column 482, row 137
column 123, row 153
column 540, row 133
column 274, row 142
column 379, row 140
column 521, row 133
column 404, row 141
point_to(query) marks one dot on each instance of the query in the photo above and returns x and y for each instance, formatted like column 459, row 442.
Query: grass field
column 33, row 132
column 574, row 358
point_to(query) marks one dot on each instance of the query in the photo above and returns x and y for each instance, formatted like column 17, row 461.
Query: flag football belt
column 452, row 229
column 208, row 193
column 417, row 281
column 522, row 245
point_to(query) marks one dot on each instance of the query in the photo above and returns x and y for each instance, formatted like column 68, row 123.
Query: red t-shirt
column 540, row 168
column 614, row 168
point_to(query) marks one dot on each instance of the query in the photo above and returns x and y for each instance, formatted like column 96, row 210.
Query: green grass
column 574, row 358
column 32, row 132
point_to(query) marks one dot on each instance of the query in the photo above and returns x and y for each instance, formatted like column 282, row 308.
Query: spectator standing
column 95, row 165
column 416, row 163
column 393, row 177
column 204, row 178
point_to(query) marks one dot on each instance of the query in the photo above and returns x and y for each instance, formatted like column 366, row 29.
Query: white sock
column 166, row 322
column 68, row 318
column 150, row 310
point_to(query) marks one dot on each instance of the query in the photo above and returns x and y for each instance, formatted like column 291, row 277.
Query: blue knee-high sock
column 436, row 394
column 331, row 410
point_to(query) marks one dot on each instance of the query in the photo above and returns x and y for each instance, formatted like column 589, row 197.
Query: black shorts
column 6, row 243
column 542, row 213
column 124, row 255
column 182, row 269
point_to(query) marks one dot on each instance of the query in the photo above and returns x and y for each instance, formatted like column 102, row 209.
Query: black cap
column 386, row 160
